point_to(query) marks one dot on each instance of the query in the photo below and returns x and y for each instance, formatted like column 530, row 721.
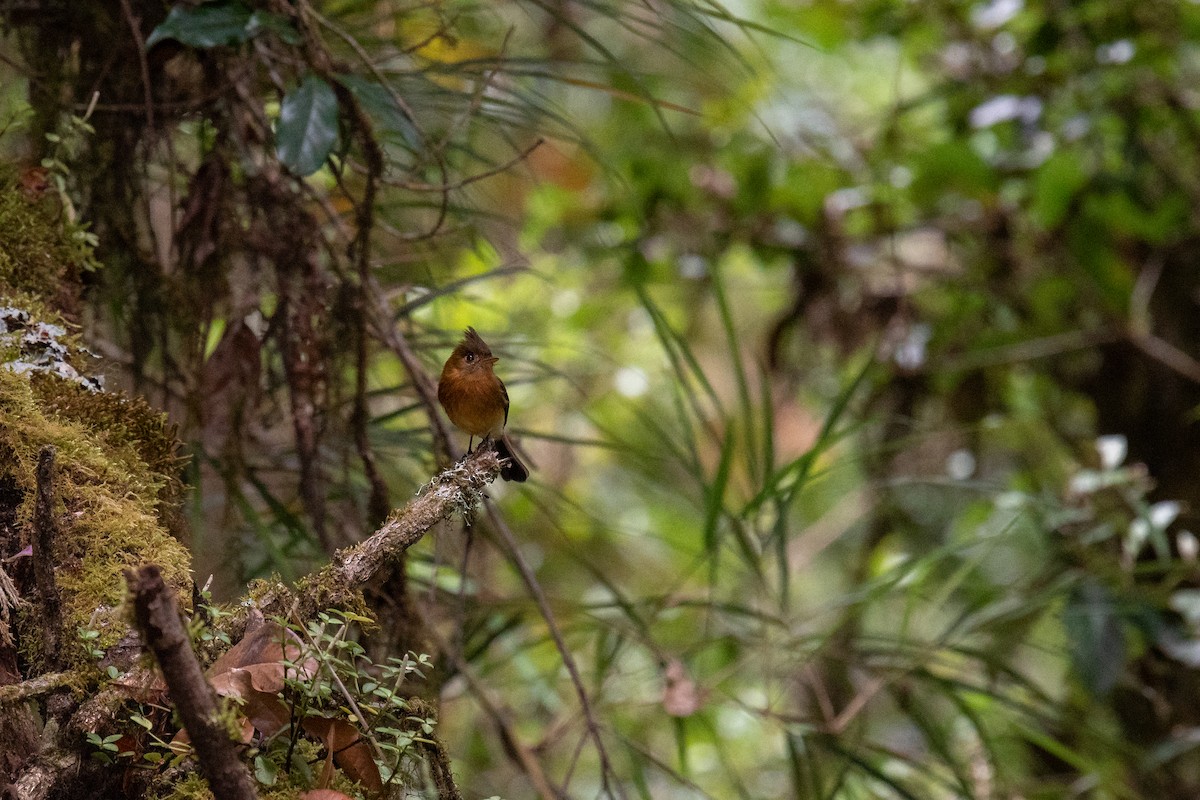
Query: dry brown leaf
column 143, row 685
column 345, row 747
column 253, row 671
column 264, row 710
column 261, row 652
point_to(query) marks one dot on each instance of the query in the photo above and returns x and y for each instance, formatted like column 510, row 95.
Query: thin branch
column 838, row 725
column 439, row 769
column 158, row 619
column 426, row 389
column 1168, row 355
column 429, row 296
column 139, row 45
column 402, row 104
column 539, row 598
column 1140, row 322
column 1141, row 326
column 414, row 186
column 501, row 715
column 360, row 253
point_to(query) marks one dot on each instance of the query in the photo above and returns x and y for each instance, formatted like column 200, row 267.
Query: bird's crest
column 474, row 343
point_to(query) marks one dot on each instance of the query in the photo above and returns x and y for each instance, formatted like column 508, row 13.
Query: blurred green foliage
column 861, row 320
column 855, row 348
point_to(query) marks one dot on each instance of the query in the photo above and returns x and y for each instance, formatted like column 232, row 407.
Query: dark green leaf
column 951, row 167
column 308, row 126
column 210, row 25
column 282, row 27
column 389, row 117
column 714, row 500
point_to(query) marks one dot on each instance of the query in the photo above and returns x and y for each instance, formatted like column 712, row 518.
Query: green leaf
column 1055, row 187
column 282, row 27
column 714, row 497
column 1157, row 223
column 308, row 126
column 390, row 118
column 951, row 167
column 1095, row 637
column 209, row 25
column 266, row 771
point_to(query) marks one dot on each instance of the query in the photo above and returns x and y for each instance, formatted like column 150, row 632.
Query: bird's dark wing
column 504, row 392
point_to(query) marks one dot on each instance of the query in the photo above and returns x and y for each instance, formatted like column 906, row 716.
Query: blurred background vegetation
column 855, row 347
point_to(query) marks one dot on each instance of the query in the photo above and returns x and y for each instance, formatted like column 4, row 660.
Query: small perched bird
column 477, row 402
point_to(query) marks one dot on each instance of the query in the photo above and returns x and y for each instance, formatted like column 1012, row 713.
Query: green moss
column 322, row 586
column 129, row 427
column 191, row 787
column 110, row 506
column 34, row 256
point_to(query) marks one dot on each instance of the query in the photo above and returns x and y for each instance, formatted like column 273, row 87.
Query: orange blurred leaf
column 681, row 696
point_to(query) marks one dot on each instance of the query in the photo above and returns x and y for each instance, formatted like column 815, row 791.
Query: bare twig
column 143, row 64
column 838, row 725
column 418, row 186
column 402, row 104
column 360, row 252
column 1141, row 326
column 539, row 598
column 423, row 384
column 139, row 44
column 1140, row 322
column 501, row 716
column 158, row 619
column 1168, row 355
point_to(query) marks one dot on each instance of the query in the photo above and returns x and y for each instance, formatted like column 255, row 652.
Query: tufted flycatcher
column 477, row 402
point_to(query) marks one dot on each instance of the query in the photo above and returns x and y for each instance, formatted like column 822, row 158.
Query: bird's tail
column 511, row 467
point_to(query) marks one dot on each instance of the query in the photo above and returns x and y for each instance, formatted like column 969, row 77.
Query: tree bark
column 158, row 618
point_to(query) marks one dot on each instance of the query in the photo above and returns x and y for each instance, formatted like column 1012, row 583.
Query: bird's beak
column 493, row 359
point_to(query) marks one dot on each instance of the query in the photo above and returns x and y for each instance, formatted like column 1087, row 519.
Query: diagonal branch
column 543, row 604
column 162, row 629
column 458, row 489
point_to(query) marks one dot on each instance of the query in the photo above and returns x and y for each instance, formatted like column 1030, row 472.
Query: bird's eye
column 470, row 358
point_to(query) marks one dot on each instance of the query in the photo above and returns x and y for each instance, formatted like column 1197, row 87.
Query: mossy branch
column 440, row 769
column 34, row 687
column 457, row 489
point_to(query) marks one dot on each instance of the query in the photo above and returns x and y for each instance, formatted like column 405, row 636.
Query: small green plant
column 88, row 639
column 334, row 676
column 108, row 748
column 66, row 144
column 205, row 628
